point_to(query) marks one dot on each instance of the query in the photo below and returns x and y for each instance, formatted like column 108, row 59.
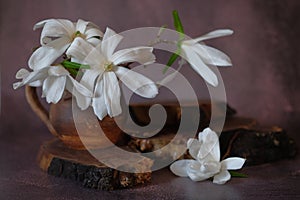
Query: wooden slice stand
column 79, row 165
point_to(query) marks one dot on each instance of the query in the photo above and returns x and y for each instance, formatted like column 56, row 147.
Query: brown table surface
column 21, row 178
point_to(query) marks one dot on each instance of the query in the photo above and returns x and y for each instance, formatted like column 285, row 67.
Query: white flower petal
column 44, row 56
column 57, row 71
column 93, row 32
column 112, row 94
column 194, row 146
column 198, row 172
column 59, row 43
column 81, row 25
column 211, row 167
column 96, row 60
column 142, row 55
column 98, row 102
column 80, row 88
column 222, row 177
column 210, row 144
column 36, row 75
column 79, row 49
column 212, row 56
column 22, row 73
column 89, row 78
column 81, row 93
column 109, row 42
column 32, row 77
column 136, row 82
column 94, row 41
column 17, row 85
column 84, row 52
column 37, row 83
column 199, row 66
column 40, row 24
column 215, row 152
column 92, row 25
column 214, row 34
column 233, row 163
column 57, row 28
column 208, row 135
column 179, row 167
column 53, row 88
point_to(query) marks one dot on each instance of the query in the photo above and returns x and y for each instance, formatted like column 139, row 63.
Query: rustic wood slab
column 79, row 165
column 241, row 137
column 258, row 145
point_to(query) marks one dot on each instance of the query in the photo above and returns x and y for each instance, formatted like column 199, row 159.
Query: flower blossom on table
column 207, row 164
column 57, row 35
column 105, row 72
column 54, row 80
column 200, row 55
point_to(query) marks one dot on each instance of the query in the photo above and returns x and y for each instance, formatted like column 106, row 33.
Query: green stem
column 237, row 174
column 178, row 26
column 73, row 65
column 73, row 72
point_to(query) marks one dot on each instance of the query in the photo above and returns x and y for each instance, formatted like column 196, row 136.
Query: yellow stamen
column 108, row 67
column 78, row 34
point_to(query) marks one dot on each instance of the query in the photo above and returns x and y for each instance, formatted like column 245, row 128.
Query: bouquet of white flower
column 90, row 57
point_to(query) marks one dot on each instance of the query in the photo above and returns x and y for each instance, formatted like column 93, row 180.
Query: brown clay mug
column 60, row 123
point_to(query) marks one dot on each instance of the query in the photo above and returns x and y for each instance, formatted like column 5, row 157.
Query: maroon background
column 263, row 83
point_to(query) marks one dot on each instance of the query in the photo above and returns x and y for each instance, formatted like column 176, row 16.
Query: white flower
column 206, row 152
column 105, row 71
column 200, row 55
column 56, row 37
column 54, row 79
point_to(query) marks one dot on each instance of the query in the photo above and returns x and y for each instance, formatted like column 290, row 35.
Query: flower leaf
column 237, row 174
column 177, row 23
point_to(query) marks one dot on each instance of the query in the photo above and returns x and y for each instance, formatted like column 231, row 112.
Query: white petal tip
column 230, row 32
column 179, row 168
column 16, row 85
column 222, row 177
column 211, row 81
column 233, row 163
column 224, row 32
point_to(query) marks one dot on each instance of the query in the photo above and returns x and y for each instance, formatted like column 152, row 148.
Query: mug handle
column 38, row 108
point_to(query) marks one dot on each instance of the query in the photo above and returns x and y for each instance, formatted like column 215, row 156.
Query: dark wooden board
column 258, row 145
column 79, row 165
column 241, row 137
